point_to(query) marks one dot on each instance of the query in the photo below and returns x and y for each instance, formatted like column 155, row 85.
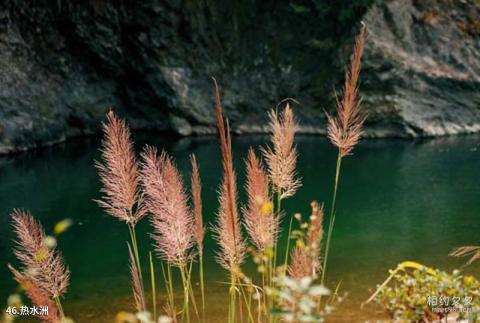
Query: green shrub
column 425, row 294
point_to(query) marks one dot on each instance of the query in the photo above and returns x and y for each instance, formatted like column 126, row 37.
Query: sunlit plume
column 227, row 229
column 197, row 203
column 166, row 200
column 43, row 265
column 260, row 222
column 345, row 129
column 118, row 172
column 281, row 158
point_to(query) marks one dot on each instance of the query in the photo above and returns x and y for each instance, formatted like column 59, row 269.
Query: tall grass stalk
column 202, row 286
column 167, row 279
column 192, row 293
column 289, row 238
column 196, row 190
column 344, row 130
column 277, row 213
column 248, row 303
column 281, row 160
column 186, row 293
column 227, row 230
column 118, row 171
column 332, row 217
column 133, row 239
column 58, row 302
column 153, row 285
column 231, row 304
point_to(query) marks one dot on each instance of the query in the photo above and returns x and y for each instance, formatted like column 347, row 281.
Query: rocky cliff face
column 422, row 68
column 65, row 63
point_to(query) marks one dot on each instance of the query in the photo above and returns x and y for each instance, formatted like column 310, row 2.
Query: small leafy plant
column 421, row 294
column 297, row 299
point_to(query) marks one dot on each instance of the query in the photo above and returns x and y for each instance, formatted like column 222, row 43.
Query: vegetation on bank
column 290, row 287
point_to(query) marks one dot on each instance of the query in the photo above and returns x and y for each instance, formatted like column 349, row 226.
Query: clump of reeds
column 155, row 186
column 345, row 129
column 43, row 273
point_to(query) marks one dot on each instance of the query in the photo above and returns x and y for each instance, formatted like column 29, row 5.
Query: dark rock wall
column 65, row 63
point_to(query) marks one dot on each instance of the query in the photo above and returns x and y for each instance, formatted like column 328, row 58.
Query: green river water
column 398, row 200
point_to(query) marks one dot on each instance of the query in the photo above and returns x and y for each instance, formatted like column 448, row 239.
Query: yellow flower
column 14, row 300
column 269, row 253
column 468, row 280
column 300, row 244
column 125, row 317
column 267, row 208
column 62, row 226
column 40, row 255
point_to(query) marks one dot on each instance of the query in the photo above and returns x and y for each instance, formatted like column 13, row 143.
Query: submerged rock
column 64, row 64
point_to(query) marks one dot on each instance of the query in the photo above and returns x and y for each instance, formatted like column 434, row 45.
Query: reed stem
column 133, row 238
column 167, row 277
column 186, row 289
column 248, row 303
column 279, row 205
column 332, row 217
column 288, row 244
column 192, row 294
column 202, row 286
column 154, row 289
column 60, row 307
column 231, row 306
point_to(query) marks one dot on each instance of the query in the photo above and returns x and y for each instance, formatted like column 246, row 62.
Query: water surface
column 398, row 200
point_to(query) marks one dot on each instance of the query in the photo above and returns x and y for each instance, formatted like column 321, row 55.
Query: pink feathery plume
column 172, row 219
column 282, row 157
column 227, row 229
column 345, row 130
column 137, row 287
column 119, row 173
column 43, row 265
column 197, row 204
column 37, row 296
column 300, row 265
column 262, row 226
column 305, row 260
